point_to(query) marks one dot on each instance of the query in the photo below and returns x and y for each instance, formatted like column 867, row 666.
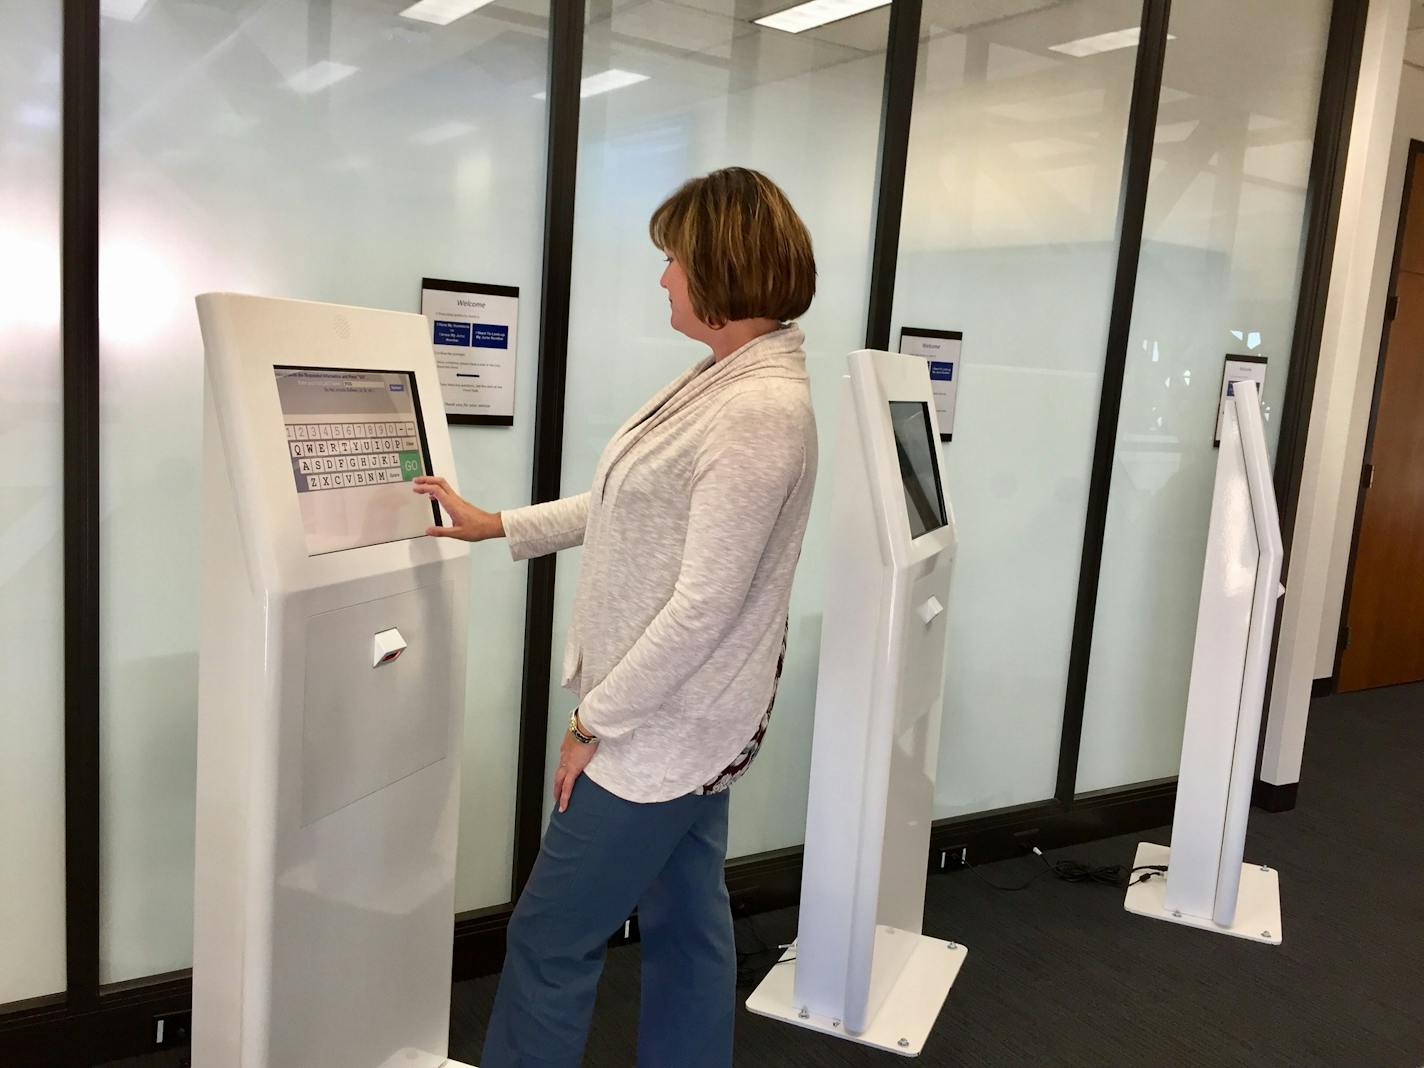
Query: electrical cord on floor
column 1073, row 871
column 999, row 886
column 754, row 964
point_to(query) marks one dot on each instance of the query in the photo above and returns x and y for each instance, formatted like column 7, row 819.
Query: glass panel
column 1008, row 235
column 1219, row 274
column 31, row 539
column 329, row 151
column 720, row 91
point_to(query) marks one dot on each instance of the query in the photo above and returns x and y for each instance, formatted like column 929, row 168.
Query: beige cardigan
column 691, row 535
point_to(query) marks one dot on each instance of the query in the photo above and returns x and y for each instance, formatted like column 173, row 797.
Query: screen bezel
column 931, row 440
column 414, row 388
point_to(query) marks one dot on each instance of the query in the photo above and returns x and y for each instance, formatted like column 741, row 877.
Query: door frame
column 1416, row 149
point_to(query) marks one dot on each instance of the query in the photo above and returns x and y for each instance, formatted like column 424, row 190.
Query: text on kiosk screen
column 354, row 440
column 919, row 466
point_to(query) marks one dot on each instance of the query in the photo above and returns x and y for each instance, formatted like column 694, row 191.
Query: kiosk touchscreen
column 860, row 968
column 357, row 439
column 331, row 689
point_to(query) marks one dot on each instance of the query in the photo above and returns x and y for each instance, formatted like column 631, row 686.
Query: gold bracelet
column 579, row 736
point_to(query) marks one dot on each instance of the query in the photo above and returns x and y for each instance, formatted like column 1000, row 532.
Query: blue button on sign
column 452, row 333
column 491, row 337
column 941, row 372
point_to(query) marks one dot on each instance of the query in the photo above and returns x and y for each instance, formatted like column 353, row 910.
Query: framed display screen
column 919, row 466
column 356, row 441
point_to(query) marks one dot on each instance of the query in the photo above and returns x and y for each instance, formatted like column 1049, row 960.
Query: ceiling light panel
column 1102, row 42
column 442, row 12
column 816, row 13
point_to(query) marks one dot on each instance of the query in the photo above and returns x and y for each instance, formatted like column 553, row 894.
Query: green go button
column 410, row 466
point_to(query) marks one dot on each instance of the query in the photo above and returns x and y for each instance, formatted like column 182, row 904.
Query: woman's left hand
column 573, row 758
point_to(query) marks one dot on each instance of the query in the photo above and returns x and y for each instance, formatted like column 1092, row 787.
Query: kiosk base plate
column 903, row 1023
column 1258, row 903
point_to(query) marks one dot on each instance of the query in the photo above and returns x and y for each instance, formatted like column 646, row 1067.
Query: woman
column 691, row 534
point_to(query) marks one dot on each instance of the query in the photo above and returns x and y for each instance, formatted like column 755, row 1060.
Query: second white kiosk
column 1208, row 885
column 860, row 968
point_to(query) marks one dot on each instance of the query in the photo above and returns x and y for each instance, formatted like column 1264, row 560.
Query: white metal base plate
column 903, row 1023
column 1258, row 903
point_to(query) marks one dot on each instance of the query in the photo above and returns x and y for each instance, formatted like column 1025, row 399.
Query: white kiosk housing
column 331, row 689
column 860, row 968
column 1207, row 884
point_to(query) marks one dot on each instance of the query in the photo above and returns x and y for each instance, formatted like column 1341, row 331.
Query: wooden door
column 1384, row 642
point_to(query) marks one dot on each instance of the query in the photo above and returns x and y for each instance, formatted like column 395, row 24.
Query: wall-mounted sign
column 472, row 327
column 941, row 348
column 1238, row 369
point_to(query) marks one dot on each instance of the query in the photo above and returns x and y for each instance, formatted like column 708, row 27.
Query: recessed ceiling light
column 808, row 16
column 126, row 10
column 604, row 82
column 442, row 12
column 1103, row 42
column 320, row 76
column 609, row 80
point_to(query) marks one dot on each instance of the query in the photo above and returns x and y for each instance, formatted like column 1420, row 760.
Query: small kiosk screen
column 919, row 466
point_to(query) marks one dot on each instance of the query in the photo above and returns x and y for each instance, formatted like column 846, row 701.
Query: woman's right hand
column 467, row 522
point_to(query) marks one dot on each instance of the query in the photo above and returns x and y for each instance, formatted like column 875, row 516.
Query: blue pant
column 601, row 859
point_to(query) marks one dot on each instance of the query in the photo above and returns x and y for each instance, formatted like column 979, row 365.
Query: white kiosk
column 860, row 968
column 1207, row 884
column 331, row 690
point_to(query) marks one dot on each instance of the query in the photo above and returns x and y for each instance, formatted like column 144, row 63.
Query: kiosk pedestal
column 331, row 694
column 861, row 969
column 1207, row 884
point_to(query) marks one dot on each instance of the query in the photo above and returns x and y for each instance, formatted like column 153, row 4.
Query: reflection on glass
column 1008, row 234
column 31, row 538
column 1218, row 275
column 720, row 91
column 331, row 151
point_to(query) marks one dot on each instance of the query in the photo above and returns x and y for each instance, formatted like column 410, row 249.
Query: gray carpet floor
column 1060, row 974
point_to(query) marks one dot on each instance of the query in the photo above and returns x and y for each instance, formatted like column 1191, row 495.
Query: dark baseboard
column 1010, row 832
column 479, row 942
column 1270, row 797
column 765, row 882
column 52, row 1031
column 121, row 1023
column 1322, row 687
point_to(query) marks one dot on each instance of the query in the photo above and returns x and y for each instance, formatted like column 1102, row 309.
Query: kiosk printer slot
column 861, row 969
column 331, row 692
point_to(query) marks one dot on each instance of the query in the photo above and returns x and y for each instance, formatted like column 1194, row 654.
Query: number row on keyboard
column 336, row 431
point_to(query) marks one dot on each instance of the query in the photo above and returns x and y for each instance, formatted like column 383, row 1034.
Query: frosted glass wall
column 1219, row 274
column 719, row 91
column 1008, row 235
column 31, row 512
column 328, row 151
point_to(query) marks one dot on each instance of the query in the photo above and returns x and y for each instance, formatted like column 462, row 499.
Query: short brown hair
column 746, row 252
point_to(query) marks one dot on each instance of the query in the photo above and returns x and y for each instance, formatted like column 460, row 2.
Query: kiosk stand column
column 860, row 968
column 1207, row 885
column 330, row 694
